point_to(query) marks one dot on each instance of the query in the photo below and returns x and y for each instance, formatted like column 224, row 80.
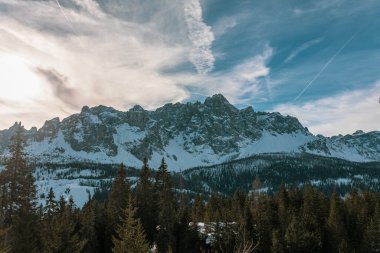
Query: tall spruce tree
column 19, row 208
column 130, row 237
column 51, row 205
column 277, row 245
column 146, row 203
column 118, row 198
column 167, row 209
column 336, row 231
column 88, row 228
column 63, row 236
column 17, row 179
column 118, row 202
column 198, row 209
column 371, row 242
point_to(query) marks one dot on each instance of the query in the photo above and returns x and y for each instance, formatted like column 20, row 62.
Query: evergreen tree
column 371, row 242
column 18, row 208
column 118, row 202
column 277, row 246
column 302, row 237
column 88, row 228
column 336, row 231
column 198, row 209
column 356, row 220
column 167, row 209
column 51, row 205
column 263, row 215
column 146, row 204
column 17, row 179
column 118, row 198
column 130, row 236
column 63, row 236
column 283, row 207
column 186, row 237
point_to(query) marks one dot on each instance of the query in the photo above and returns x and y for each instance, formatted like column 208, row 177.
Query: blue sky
column 316, row 60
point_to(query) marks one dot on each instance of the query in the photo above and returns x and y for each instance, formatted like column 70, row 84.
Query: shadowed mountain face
column 186, row 135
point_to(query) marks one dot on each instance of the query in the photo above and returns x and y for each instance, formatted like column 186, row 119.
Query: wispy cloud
column 340, row 114
column 201, row 37
column 91, row 7
column 82, row 60
column 242, row 84
column 317, row 6
column 60, row 86
column 302, row 48
column 224, row 25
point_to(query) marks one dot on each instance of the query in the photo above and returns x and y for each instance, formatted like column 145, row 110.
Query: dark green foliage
column 117, row 203
column 274, row 169
column 61, row 234
column 277, row 246
column 118, row 199
column 165, row 215
column 88, row 228
column 371, row 242
column 19, row 218
column 130, row 237
column 146, row 202
column 166, row 204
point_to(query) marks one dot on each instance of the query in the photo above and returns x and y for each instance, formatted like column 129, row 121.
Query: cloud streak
column 302, row 48
column 60, row 86
column 201, row 37
column 243, row 84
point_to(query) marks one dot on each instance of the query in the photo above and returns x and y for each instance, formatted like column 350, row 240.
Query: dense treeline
column 155, row 217
column 325, row 173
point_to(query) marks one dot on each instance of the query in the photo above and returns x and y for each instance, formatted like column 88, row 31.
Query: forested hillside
column 158, row 217
column 297, row 170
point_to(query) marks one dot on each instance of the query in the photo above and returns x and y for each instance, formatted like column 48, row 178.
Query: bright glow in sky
column 316, row 60
column 19, row 83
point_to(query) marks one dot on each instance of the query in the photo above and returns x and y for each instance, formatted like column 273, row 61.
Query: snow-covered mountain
column 186, row 135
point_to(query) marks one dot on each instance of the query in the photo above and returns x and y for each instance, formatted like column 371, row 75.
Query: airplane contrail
column 324, row 67
column 67, row 19
column 63, row 13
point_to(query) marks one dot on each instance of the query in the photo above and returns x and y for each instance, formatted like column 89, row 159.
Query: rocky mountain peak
column 85, row 109
column 217, row 99
column 220, row 105
column 358, row 132
column 137, row 108
column 48, row 130
column 202, row 133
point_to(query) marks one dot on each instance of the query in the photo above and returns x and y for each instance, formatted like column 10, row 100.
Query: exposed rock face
column 48, row 130
column 186, row 135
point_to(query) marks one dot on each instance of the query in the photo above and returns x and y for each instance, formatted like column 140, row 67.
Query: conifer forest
column 153, row 216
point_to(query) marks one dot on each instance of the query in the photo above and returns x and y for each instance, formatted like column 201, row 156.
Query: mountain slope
column 297, row 169
column 186, row 135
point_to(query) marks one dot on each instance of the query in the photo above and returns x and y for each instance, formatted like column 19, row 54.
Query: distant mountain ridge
column 186, row 135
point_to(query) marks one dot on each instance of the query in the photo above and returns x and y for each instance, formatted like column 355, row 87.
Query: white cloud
column 341, row 114
column 94, row 54
column 302, row 48
column 242, row 84
column 318, row 6
column 224, row 24
column 102, row 59
column 201, row 37
column 91, row 7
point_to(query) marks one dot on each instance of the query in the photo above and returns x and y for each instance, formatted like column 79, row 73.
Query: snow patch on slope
column 274, row 143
